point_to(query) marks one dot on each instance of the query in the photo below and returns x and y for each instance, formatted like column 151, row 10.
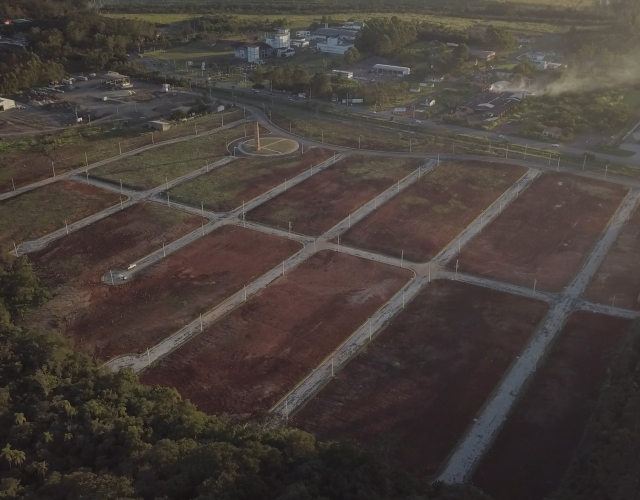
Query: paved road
column 475, row 443
column 583, row 305
column 83, row 170
column 119, row 276
column 431, row 124
column 473, row 229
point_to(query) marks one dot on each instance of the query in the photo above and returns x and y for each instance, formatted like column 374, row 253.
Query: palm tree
column 41, row 467
column 12, row 456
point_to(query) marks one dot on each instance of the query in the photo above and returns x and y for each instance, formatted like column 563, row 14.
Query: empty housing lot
column 617, row 281
column 226, row 187
column 425, row 217
column 317, row 204
column 414, row 391
column 39, row 212
column 253, row 356
column 534, row 448
column 131, row 317
column 544, row 235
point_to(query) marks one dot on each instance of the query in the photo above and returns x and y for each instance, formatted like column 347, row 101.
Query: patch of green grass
column 225, row 188
column 44, row 210
column 194, row 51
column 151, row 168
column 297, row 21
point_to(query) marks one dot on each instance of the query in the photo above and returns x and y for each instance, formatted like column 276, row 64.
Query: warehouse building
column 385, row 69
column 6, row 104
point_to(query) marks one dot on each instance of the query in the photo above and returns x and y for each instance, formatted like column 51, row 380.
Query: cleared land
column 619, row 274
column 39, row 212
column 151, row 168
column 111, row 243
column 413, row 392
column 72, row 266
column 545, row 234
column 425, row 217
column 249, row 359
column 533, row 450
column 317, row 204
column 224, row 188
column 128, row 318
column 24, row 162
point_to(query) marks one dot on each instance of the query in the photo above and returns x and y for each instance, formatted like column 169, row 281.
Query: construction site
column 417, row 304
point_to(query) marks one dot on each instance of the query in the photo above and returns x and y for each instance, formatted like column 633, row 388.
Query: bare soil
column 72, row 266
column 39, row 212
column 425, row 217
column 123, row 319
column 546, row 233
column 411, row 395
column 619, row 275
column 532, row 451
column 253, row 356
column 317, row 204
column 225, row 188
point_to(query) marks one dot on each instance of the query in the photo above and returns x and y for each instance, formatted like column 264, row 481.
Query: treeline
column 68, row 37
column 70, row 430
column 607, row 464
column 391, row 36
column 480, row 10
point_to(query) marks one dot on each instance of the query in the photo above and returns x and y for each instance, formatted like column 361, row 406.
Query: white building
column 281, row 39
column 299, row 42
column 303, row 34
column 249, row 53
column 385, row 69
column 342, row 74
column 6, row 104
column 333, row 46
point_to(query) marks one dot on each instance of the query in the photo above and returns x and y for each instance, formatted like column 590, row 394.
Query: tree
column 12, row 456
column 461, row 52
column 352, row 55
column 321, row 85
column 499, row 38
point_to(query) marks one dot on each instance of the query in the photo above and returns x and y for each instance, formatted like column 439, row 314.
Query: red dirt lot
column 319, row 203
column 411, row 395
column 532, row 451
column 253, row 356
column 619, row 274
column 72, row 266
column 128, row 318
column 39, row 212
column 546, row 233
column 225, row 188
column 425, row 217
column 112, row 243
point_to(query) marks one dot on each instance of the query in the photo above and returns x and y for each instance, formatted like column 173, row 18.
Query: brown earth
column 546, row 233
column 532, row 451
column 72, row 266
column 317, row 204
column 425, row 217
column 253, row 356
column 225, row 188
column 619, row 274
column 411, row 395
column 39, row 212
column 128, row 318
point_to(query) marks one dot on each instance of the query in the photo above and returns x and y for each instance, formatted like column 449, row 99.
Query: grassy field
column 151, row 168
column 302, row 21
column 42, row 211
column 225, row 188
column 192, row 51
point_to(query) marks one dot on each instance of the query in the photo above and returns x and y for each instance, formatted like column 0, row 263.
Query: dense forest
column 65, row 36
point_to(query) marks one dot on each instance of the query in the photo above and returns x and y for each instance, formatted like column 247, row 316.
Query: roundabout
column 268, row 146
